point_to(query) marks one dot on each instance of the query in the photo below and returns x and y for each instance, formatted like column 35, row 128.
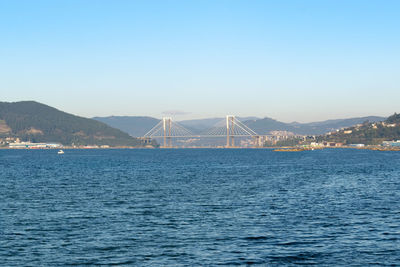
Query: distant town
column 16, row 143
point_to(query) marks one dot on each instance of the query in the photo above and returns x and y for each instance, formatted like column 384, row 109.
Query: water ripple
column 202, row 207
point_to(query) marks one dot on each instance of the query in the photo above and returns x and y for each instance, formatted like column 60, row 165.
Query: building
column 391, row 143
column 33, row 145
column 357, row 145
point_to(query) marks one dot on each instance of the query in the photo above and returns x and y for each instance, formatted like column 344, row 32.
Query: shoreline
column 285, row 149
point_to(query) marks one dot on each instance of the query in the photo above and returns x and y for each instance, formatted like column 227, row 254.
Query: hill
column 134, row 126
column 266, row 125
column 29, row 120
column 367, row 133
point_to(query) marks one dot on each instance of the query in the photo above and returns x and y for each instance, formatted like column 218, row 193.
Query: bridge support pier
column 256, row 141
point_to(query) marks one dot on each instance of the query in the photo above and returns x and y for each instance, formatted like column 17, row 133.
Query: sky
column 299, row 60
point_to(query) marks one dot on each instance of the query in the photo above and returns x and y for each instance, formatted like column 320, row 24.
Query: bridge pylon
column 167, row 128
column 230, row 129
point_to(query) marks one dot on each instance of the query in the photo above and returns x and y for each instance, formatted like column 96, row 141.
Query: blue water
column 199, row 207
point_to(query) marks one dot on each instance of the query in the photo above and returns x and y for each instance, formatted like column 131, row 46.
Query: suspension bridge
column 230, row 128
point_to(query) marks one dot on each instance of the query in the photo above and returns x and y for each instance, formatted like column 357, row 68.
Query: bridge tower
column 167, row 127
column 230, row 129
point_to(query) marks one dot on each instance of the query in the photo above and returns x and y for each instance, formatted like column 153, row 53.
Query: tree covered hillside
column 37, row 122
column 367, row 133
column 266, row 125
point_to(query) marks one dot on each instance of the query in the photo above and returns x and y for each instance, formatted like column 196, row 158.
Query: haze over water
column 199, row 207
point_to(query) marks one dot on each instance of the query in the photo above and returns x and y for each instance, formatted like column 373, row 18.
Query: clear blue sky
column 290, row 60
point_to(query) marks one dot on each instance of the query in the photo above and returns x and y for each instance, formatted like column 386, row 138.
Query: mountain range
column 266, row 125
column 133, row 125
column 138, row 126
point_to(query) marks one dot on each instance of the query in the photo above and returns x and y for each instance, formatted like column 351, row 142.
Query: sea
column 199, row 207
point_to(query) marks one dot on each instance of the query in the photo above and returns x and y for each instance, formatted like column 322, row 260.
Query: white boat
column 60, row 151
